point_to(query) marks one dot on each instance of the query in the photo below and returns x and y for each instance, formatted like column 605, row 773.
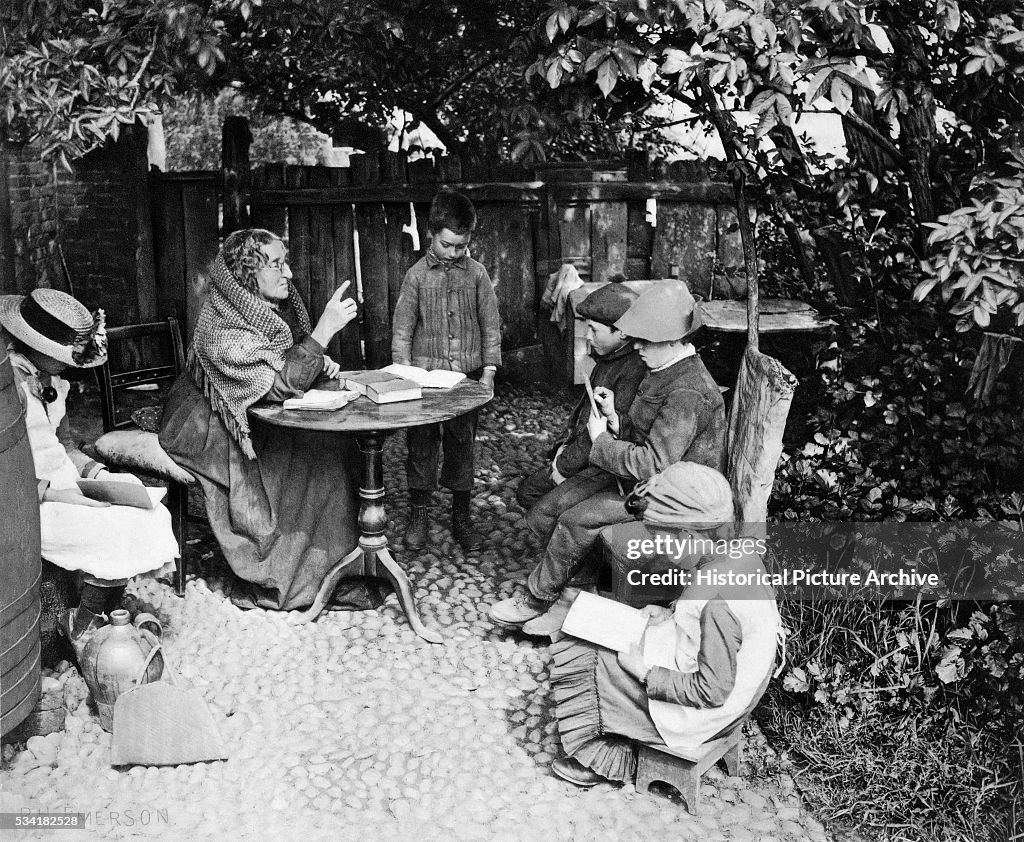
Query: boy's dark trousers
column 457, row 437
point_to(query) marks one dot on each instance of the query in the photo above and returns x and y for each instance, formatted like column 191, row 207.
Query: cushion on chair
column 139, row 450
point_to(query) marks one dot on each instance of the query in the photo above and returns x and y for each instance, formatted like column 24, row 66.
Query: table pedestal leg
column 351, row 565
column 373, row 543
column 405, row 598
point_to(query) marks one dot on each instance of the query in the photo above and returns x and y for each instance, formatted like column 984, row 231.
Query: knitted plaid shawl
column 237, row 349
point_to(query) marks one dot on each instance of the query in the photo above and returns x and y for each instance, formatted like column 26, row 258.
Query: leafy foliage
column 902, row 720
column 72, row 74
column 456, row 67
column 981, row 267
column 881, row 66
column 193, row 126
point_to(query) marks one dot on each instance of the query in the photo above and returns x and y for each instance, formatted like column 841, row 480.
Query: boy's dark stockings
column 462, row 522
column 416, row 531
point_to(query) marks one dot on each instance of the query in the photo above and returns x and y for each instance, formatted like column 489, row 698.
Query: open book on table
column 121, row 493
column 323, row 400
column 437, row 378
column 607, row 623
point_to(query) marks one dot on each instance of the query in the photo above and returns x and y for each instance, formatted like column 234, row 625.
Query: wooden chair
column 147, row 366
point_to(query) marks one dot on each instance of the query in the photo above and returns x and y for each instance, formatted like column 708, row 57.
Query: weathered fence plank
column 299, row 258
column 169, row 248
column 684, row 245
column 503, row 243
column 608, row 239
column 272, row 217
column 200, row 244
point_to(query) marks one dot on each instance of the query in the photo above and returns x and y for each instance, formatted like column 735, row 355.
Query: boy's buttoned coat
column 446, row 317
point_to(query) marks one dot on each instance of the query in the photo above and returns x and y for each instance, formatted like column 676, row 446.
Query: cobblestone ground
column 354, row 728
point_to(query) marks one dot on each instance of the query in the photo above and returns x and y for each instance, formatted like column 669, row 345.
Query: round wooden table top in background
column 364, row 416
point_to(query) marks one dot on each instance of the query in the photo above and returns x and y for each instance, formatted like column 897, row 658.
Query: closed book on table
column 393, row 390
column 358, row 381
column 322, row 400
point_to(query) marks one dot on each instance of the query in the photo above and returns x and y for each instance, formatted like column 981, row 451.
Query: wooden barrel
column 20, row 566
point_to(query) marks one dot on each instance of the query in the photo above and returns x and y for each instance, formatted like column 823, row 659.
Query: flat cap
column 607, row 305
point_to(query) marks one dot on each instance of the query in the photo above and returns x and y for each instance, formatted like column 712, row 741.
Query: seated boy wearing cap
column 617, row 367
column 677, row 414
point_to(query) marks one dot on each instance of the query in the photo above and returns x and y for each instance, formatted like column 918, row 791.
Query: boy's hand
column 487, row 379
column 605, row 400
column 331, row 368
column 596, row 425
column 656, row 614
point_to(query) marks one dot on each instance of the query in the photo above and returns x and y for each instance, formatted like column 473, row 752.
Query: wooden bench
column 683, row 769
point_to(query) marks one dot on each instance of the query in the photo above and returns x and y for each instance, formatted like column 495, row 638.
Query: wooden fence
column 365, row 221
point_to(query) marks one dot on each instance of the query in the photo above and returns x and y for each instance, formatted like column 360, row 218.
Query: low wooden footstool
column 683, row 769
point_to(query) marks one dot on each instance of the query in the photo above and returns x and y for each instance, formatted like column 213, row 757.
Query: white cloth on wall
column 556, row 292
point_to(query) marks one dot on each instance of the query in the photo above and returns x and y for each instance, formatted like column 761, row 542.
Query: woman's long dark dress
column 284, row 519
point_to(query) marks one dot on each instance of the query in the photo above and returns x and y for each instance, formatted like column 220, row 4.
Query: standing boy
column 617, row 367
column 446, row 317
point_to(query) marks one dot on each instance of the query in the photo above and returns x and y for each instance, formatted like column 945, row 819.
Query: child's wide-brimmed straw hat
column 55, row 324
column 665, row 312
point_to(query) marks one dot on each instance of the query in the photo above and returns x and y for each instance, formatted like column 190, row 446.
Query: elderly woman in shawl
column 282, row 510
column 701, row 665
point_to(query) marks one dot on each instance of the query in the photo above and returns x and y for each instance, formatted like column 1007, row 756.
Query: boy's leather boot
column 462, row 523
column 416, row 531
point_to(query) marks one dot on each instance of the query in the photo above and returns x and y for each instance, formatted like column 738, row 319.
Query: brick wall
column 33, row 206
column 93, row 212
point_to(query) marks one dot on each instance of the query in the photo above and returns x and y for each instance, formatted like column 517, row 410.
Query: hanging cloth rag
column 557, row 289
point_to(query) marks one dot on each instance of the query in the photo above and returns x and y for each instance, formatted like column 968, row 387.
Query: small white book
column 121, row 493
column 323, row 400
column 607, row 623
column 437, row 378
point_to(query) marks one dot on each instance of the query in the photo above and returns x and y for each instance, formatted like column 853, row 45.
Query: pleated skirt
column 601, row 709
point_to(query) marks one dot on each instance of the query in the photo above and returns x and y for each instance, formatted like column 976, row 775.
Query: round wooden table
column 371, row 423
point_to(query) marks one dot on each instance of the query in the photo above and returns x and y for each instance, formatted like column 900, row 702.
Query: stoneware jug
column 114, row 658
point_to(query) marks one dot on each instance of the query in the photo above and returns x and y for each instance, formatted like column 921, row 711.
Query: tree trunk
column 917, row 135
column 795, row 164
column 861, row 147
column 919, row 140
column 728, row 132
